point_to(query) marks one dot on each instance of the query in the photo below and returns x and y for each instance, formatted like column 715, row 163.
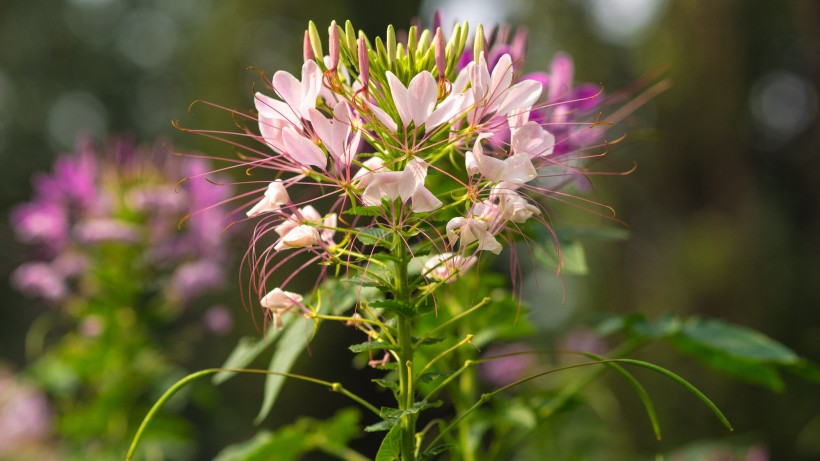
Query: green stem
column 578, row 385
column 405, row 353
column 336, row 387
column 408, row 422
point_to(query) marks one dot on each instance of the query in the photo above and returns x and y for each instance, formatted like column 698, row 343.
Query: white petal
column 424, row 201
column 299, row 237
column 519, row 169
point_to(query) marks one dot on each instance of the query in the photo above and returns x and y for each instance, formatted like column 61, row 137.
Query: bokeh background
column 722, row 209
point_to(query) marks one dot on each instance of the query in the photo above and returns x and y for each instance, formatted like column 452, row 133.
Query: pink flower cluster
column 397, row 139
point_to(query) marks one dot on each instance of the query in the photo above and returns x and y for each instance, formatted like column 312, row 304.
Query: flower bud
column 364, row 63
column 478, row 45
column 333, row 43
column 315, row 40
column 307, row 49
column 441, row 56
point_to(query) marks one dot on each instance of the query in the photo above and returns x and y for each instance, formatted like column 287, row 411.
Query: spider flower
column 424, row 147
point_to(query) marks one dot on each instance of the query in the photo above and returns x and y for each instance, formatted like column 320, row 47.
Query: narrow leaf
column 391, row 445
column 691, row 388
column 288, row 349
column 371, row 346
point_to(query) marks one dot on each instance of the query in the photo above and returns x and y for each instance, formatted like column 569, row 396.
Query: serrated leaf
column 390, row 448
column 433, row 375
column 394, row 305
column 397, row 413
column 288, row 349
column 387, row 384
column 364, row 211
column 438, row 449
column 371, row 346
column 372, row 236
column 737, row 341
column 428, row 341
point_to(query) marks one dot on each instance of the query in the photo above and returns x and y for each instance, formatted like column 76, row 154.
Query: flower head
column 424, row 144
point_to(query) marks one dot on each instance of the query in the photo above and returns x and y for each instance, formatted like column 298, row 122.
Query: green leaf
column 387, row 384
column 379, row 427
column 372, row 236
column 572, row 259
column 806, row 370
column 292, row 442
column 604, row 233
column 428, row 341
column 755, row 372
column 288, row 349
column 737, row 341
column 364, row 211
column 248, row 349
column 395, row 305
column 432, row 376
column 391, row 445
column 396, row 413
column 371, row 346
column 662, row 327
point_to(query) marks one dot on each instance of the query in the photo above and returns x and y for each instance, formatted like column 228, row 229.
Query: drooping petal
column 424, row 201
column 519, row 169
column 299, row 237
column 413, row 177
column 383, row 184
column 275, row 196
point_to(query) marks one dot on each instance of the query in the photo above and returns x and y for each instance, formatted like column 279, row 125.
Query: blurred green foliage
column 723, row 209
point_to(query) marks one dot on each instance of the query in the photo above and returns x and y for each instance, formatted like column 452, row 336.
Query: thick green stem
column 408, row 422
column 405, row 355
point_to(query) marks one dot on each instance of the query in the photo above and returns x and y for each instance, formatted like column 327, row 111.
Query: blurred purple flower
column 39, row 279
column 218, row 320
column 122, row 193
column 25, row 415
column 506, row 370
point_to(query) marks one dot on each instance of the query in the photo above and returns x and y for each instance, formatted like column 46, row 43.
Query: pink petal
column 303, row 150
column 422, row 96
column 399, row 93
column 448, row 109
column 520, row 95
column 382, row 116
